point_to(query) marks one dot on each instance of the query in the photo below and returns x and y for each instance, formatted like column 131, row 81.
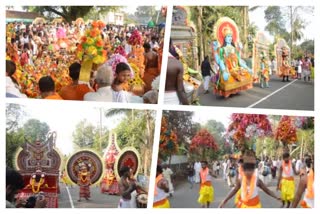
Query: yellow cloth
column 206, row 194
column 246, row 206
column 166, row 204
column 238, row 195
column 287, row 190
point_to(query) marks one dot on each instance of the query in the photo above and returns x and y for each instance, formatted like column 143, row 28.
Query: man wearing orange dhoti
column 151, row 66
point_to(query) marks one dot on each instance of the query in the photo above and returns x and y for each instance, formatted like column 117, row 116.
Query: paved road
column 294, row 95
column 184, row 197
column 98, row 200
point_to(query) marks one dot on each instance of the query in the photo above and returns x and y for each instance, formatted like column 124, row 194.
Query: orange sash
column 244, row 186
column 159, row 203
column 285, row 169
column 310, row 191
column 158, row 178
column 251, row 202
column 203, row 175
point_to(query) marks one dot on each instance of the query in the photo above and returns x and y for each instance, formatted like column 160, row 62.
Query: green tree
column 276, row 22
column 84, row 135
column 96, row 12
column 136, row 129
column 181, row 122
column 69, row 13
column 14, row 140
column 145, row 11
column 35, row 130
column 14, row 115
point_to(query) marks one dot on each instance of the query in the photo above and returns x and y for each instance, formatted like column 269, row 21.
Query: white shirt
column 120, row 96
column 103, row 94
column 197, row 166
column 298, row 165
column 13, row 89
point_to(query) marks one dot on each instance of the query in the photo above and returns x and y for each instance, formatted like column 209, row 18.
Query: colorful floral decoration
column 137, row 58
column 114, row 60
column 92, row 44
column 136, row 83
column 28, row 76
column 286, row 131
column 120, row 50
column 168, row 140
column 244, row 128
column 202, row 142
column 135, row 38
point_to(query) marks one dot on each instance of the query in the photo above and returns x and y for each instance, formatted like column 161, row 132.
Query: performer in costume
column 84, row 182
column 240, row 175
column 206, row 193
column 264, row 72
column 249, row 183
column 285, row 66
column 161, row 191
column 286, row 182
column 306, row 186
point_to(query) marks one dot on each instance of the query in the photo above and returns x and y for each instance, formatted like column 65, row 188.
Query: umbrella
column 39, row 20
column 162, row 25
column 151, row 24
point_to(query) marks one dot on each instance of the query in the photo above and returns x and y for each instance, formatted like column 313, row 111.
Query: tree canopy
column 71, row 13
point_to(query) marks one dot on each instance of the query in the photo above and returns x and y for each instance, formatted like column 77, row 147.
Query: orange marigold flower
column 99, row 43
column 95, row 24
column 83, row 39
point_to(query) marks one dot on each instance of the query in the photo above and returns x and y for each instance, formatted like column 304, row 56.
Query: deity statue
column 234, row 75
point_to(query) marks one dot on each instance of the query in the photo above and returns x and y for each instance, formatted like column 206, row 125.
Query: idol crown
column 227, row 31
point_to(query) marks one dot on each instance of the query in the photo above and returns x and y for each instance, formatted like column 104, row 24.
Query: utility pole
column 291, row 23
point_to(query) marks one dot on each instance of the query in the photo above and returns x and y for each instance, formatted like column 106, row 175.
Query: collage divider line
column 159, row 110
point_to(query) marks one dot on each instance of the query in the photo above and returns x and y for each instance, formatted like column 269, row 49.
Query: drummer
column 126, row 187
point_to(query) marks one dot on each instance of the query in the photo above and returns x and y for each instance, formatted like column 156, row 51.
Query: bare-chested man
column 126, row 187
column 151, row 66
column 174, row 91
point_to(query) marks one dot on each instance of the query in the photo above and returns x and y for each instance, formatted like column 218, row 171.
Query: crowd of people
column 42, row 63
column 293, row 179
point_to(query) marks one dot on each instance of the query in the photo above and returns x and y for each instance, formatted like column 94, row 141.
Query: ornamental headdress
column 223, row 27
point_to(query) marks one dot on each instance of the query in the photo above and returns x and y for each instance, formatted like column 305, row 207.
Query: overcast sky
column 64, row 118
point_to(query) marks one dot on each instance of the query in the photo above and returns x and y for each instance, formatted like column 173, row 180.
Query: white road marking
column 266, row 97
column 70, row 198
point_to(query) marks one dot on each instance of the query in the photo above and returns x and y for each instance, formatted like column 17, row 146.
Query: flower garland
column 33, row 183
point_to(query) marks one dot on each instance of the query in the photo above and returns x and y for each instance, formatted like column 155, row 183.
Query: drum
column 142, row 200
